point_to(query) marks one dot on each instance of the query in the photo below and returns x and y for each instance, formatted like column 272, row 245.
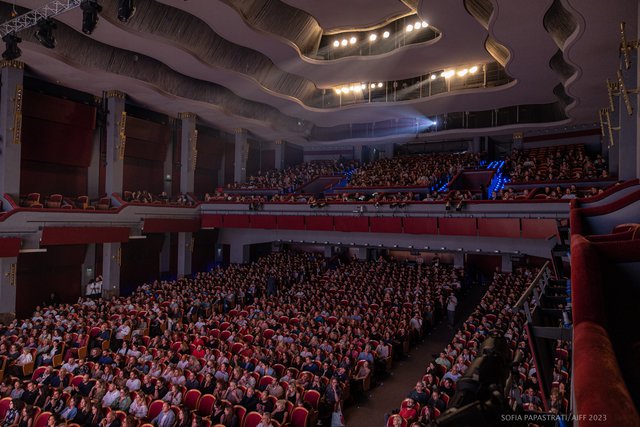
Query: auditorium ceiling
column 347, row 72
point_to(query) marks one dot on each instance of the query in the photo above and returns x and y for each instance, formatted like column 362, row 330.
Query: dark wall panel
column 293, row 155
column 141, row 174
column 420, row 225
column 229, row 161
column 268, row 159
column 59, row 271
column 203, row 256
column 458, row 226
column 145, row 152
column 499, row 227
column 319, row 223
column 385, row 225
column 140, row 262
column 49, row 178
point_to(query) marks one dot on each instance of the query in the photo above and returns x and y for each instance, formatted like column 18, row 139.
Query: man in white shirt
column 110, row 396
column 70, row 365
column 133, row 383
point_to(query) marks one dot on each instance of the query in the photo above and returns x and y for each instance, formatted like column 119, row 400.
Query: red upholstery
column 586, row 282
column 191, row 399
column 252, row 419
column 299, row 417
column 599, row 387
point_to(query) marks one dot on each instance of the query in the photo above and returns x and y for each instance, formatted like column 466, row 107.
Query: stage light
column 473, row 69
column 386, row 35
column 424, row 24
column 126, row 10
column 409, row 28
column 417, row 25
column 380, row 84
column 44, row 34
column 336, row 43
column 344, row 42
column 433, row 77
column 447, row 74
column 345, row 89
column 363, row 86
column 90, row 10
column 463, row 72
column 353, row 40
column 372, row 85
column 373, row 37
column 338, row 90
column 12, row 51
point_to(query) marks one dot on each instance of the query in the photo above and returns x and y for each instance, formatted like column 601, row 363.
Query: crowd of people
column 555, row 163
column 289, row 179
column 426, row 170
column 495, row 316
column 259, row 336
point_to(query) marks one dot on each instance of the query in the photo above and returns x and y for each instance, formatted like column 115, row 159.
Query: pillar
column 507, row 265
column 458, row 259
column 239, row 253
column 328, row 251
column 357, row 153
column 279, row 144
column 388, row 150
column 8, row 277
column 516, row 142
column 11, row 97
column 474, row 145
column 116, row 140
column 241, row 154
column 188, row 151
column 111, row 262
column 628, row 140
column 185, row 249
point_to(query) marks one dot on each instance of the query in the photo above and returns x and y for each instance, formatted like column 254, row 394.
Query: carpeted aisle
column 388, row 395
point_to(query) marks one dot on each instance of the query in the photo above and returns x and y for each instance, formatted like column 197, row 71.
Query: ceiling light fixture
column 126, row 9
column 363, row 86
column 372, row 85
column 473, row 69
column 12, row 51
column 344, row 42
column 417, row 25
column 447, row 74
column 336, row 43
column 424, row 24
column 409, row 28
column 380, row 84
column 373, row 37
column 386, row 35
column 44, row 34
column 90, row 10
column 353, row 40
column 463, row 72
column 433, row 76
column 338, row 90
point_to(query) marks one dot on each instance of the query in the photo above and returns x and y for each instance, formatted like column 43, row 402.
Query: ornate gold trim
column 17, row 115
column 278, row 142
column 118, row 257
column 12, row 63
column 187, row 115
column 113, row 93
column 193, row 146
column 122, row 136
column 239, row 131
column 11, row 274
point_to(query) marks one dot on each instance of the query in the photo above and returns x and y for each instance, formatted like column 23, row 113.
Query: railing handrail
column 532, row 286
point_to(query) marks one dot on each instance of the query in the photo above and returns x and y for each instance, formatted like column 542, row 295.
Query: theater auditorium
column 290, row 213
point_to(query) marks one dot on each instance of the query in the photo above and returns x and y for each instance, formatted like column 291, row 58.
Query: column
column 240, row 253
column 388, row 150
column 11, row 96
column 517, row 141
column 628, row 138
column 188, row 151
column 185, row 249
column 458, row 259
column 8, row 277
column 357, row 153
column 474, row 145
column 241, row 154
column 507, row 265
column 116, row 140
column 279, row 144
column 328, row 251
column 111, row 262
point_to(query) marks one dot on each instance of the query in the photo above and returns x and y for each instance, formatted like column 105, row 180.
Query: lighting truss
column 31, row 18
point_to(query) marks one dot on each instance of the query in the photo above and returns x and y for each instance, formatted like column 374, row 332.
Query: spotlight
column 447, row 74
column 473, row 69
column 433, row 77
column 336, row 43
column 463, row 72
column 409, row 28
column 12, row 50
column 380, row 84
column 417, row 25
column 338, row 90
column 90, row 10
column 386, row 35
column 353, row 40
column 363, row 86
column 44, row 34
column 424, row 24
column 345, row 89
column 126, row 9
column 344, row 42
column 372, row 85
column 373, row 37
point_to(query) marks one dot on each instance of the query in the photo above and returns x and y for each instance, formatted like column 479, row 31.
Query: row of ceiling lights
column 374, row 36
column 359, row 87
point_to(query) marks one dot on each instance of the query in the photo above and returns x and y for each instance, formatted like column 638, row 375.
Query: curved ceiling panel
column 340, row 14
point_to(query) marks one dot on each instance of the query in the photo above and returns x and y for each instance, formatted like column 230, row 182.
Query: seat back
column 312, row 397
column 205, row 405
column 154, row 409
column 191, row 399
column 252, row 419
column 4, row 406
column 299, row 417
column 42, row 420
